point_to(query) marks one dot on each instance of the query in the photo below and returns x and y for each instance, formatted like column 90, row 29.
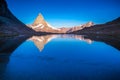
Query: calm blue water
column 63, row 58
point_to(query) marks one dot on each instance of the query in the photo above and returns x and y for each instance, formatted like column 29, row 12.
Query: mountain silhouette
column 109, row 28
column 9, row 24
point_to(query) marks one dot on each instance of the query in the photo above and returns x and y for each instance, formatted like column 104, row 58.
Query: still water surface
column 62, row 57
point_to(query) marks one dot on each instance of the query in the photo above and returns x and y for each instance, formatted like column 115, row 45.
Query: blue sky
column 65, row 13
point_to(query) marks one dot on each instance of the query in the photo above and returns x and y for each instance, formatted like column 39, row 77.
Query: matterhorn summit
column 40, row 25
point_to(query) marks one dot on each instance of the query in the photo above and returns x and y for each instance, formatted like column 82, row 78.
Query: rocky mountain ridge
column 109, row 28
column 40, row 24
column 9, row 24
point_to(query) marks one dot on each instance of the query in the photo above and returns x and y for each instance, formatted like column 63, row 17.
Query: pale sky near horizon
column 65, row 13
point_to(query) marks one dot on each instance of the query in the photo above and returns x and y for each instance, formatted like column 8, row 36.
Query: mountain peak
column 40, row 15
column 89, row 24
column 39, row 19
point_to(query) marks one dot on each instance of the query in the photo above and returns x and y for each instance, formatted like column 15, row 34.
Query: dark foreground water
column 59, row 57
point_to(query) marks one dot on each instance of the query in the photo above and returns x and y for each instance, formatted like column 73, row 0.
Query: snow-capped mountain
column 41, row 25
column 76, row 28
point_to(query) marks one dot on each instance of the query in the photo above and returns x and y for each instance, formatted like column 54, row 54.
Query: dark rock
column 9, row 24
column 109, row 28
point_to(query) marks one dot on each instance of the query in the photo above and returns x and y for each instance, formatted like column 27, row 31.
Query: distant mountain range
column 76, row 28
column 10, row 25
column 109, row 28
column 40, row 25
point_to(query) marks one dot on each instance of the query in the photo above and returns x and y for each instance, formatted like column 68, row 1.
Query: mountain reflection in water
column 60, row 57
column 41, row 41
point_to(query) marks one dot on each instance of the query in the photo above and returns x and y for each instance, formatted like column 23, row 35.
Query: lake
column 60, row 57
